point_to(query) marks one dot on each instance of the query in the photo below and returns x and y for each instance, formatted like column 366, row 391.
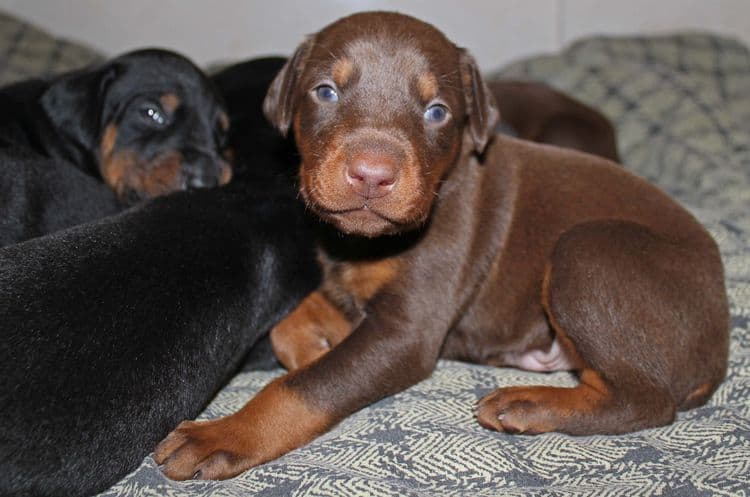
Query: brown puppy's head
column 381, row 104
column 148, row 122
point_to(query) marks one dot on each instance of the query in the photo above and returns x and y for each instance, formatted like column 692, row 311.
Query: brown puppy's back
column 553, row 192
column 539, row 113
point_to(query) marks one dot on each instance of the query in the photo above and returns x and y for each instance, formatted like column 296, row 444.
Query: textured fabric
column 681, row 106
column 27, row 52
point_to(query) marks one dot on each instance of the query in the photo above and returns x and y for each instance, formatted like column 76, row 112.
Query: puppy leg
column 647, row 315
column 384, row 354
column 310, row 331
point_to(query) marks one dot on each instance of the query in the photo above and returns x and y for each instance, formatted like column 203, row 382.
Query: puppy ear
column 480, row 104
column 74, row 104
column 278, row 106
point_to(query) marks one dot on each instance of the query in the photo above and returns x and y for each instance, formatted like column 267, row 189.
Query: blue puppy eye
column 326, row 93
column 436, row 114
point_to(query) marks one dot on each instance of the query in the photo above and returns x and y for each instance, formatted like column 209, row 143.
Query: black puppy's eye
column 436, row 113
column 153, row 114
column 326, row 93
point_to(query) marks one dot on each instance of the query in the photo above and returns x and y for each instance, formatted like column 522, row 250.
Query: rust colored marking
column 364, row 279
column 428, row 86
column 274, row 422
column 225, row 172
column 698, row 396
column 342, row 70
column 223, row 121
column 109, row 138
column 311, row 330
column 170, row 102
column 114, row 166
column 115, row 169
column 162, row 175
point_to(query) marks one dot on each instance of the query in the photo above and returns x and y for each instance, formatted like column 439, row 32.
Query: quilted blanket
column 681, row 105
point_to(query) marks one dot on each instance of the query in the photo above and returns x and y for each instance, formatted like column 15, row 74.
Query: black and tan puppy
column 114, row 331
column 446, row 241
column 143, row 124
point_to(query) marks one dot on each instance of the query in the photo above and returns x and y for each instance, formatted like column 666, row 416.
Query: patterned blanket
column 681, row 105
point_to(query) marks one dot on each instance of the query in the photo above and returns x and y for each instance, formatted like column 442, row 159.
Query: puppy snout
column 202, row 170
column 372, row 177
column 200, row 180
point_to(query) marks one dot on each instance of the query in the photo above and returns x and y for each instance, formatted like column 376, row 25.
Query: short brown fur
column 311, row 330
column 258, row 437
column 342, row 70
column 511, row 254
column 428, row 86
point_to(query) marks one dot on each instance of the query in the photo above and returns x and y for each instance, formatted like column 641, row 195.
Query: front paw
column 207, row 450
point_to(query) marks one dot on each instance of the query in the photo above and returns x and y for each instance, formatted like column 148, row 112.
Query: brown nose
column 371, row 178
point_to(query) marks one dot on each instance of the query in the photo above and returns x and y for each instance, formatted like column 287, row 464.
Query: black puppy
column 145, row 124
column 114, row 331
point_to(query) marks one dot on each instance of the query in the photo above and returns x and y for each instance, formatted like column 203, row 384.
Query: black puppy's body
column 23, row 121
column 114, row 331
column 39, row 195
column 243, row 87
column 141, row 125
column 41, row 190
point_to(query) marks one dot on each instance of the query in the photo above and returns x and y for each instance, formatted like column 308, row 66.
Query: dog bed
column 681, row 106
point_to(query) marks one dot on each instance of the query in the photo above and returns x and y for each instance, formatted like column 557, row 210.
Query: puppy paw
column 209, row 450
column 526, row 410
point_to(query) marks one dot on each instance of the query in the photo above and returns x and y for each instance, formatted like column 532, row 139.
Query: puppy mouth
column 363, row 220
column 364, row 210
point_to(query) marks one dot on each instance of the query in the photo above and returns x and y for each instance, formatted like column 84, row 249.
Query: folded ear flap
column 480, row 104
column 278, row 106
column 74, row 104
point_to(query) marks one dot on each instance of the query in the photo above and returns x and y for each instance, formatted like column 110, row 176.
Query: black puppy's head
column 149, row 122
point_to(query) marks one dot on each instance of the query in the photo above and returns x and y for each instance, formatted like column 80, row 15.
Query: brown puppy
column 542, row 114
column 447, row 242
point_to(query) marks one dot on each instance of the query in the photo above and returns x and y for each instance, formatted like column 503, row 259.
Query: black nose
column 200, row 170
column 201, row 181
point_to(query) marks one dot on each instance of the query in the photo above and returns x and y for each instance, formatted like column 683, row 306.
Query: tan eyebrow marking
column 170, row 102
column 428, row 86
column 342, row 70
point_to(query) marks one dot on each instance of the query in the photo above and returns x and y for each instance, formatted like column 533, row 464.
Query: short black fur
column 52, row 135
column 116, row 330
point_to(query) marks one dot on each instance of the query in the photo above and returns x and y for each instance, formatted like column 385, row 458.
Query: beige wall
column 496, row 31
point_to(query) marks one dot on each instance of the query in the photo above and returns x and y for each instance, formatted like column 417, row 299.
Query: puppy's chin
column 353, row 216
column 361, row 222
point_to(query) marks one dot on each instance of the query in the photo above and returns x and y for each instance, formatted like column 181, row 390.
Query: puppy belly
column 554, row 358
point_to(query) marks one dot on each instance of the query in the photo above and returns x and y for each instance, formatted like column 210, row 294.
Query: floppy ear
column 74, row 104
column 278, row 106
column 480, row 104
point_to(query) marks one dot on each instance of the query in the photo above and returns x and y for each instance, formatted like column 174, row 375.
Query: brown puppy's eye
column 436, row 114
column 153, row 114
column 326, row 93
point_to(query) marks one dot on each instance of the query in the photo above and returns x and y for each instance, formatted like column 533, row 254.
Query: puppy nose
column 201, row 169
column 371, row 178
column 201, row 177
